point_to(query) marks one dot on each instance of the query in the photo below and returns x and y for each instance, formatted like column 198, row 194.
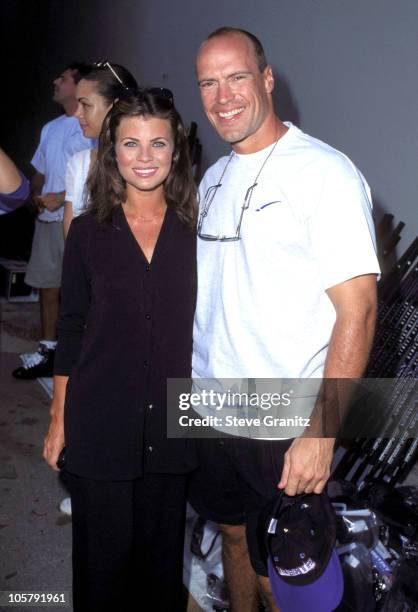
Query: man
column 287, row 276
column 60, row 139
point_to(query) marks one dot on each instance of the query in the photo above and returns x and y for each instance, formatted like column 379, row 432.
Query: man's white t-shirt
column 262, row 308
column 60, row 139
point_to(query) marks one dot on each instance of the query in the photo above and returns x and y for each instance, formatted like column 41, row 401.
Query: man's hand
column 54, row 442
column 51, row 201
column 307, row 465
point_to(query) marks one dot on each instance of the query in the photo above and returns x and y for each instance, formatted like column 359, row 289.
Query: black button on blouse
column 125, row 326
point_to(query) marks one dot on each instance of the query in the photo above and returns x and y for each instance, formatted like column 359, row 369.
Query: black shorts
column 235, row 480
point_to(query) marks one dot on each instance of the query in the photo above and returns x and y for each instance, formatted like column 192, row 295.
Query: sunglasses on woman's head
column 108, row 66
column 162, row 92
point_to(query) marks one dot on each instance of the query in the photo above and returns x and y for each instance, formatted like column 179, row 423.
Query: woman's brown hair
column 107, row 188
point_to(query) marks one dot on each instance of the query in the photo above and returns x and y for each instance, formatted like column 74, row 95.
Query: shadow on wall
column 284, row 102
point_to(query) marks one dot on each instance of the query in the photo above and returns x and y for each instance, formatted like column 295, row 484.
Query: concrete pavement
column 35, row 538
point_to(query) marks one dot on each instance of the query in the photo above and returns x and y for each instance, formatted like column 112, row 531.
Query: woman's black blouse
column 125, row 326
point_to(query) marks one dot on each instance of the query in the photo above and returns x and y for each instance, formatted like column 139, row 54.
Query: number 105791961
column 34, row 598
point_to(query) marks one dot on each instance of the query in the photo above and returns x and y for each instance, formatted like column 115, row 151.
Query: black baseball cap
column 303, row 567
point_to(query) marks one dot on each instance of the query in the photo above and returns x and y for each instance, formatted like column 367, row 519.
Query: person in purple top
column 14, row 187
column 16, row 225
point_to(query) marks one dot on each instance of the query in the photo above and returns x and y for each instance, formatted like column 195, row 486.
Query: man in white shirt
column 60, row 139
column 283, row 292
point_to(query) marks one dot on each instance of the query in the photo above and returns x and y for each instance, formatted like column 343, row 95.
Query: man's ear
column 268, row 79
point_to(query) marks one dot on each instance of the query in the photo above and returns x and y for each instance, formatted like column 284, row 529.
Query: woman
column 95, row 93
column 128, row 297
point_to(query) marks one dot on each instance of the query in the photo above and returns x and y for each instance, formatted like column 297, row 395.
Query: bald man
column 282, row 291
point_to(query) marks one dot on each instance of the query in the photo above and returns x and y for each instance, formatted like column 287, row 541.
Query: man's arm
column 307, row 463
column 50, row 201
column 355, row 302
column 36, row 184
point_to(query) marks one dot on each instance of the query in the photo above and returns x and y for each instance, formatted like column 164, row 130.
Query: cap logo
column 307, row 567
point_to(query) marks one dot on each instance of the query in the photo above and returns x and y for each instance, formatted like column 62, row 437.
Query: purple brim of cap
column 323, row 595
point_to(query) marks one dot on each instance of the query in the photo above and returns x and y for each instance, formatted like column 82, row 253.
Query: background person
column 14, row 187
column 60, row 138
column 95, row 94
column 125, row 326
column 294, row 300
column 16, row 221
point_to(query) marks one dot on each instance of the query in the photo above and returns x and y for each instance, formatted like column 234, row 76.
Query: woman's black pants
column 128, row 539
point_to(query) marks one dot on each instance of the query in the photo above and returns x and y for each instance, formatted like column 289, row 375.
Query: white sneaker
column 32, row 359
column 36, row 365
column 65, row 506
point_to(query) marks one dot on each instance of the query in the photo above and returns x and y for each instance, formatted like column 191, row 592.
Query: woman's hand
column 54, row 442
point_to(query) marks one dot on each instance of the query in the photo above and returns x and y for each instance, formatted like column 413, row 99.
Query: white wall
column 347, row 70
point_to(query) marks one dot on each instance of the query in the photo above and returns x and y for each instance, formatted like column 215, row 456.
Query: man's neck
column 70, row 107
column 271, row 131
